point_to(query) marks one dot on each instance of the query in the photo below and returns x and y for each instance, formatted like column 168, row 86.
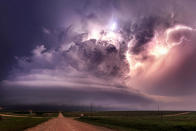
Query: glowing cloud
column 113, row 26
column 158, row 48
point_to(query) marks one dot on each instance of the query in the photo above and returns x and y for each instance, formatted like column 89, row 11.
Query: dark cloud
column 80, row 96
column 144, row 32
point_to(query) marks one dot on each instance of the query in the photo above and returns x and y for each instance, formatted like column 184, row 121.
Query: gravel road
column 62, row 123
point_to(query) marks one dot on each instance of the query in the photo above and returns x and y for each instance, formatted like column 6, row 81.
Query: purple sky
column 128, row 54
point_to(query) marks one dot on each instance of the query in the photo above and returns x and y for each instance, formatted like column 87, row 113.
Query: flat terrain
column 143, row 120
column 66, row 124
column 10, row 121
column 100, row 121
column 19, row 123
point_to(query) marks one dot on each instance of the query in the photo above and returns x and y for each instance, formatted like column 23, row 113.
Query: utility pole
column 159, row 112
column 91, row 107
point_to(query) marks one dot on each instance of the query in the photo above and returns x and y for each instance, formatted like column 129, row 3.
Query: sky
column 130, row 54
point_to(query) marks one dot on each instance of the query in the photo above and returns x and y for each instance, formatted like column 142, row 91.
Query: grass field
column 120, row 120
column 13, row 123
column 142, row 120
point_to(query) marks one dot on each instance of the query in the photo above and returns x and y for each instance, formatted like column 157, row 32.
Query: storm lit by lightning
column 115, row 50
column 158, row 47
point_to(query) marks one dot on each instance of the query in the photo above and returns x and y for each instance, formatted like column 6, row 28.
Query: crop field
column 142, row 120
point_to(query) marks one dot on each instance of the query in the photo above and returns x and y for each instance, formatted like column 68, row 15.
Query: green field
column 141, row 120
column 10, row 123
column 119, row 120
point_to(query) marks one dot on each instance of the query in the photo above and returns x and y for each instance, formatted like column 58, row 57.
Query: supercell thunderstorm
column 121, row 54
column 143, row 57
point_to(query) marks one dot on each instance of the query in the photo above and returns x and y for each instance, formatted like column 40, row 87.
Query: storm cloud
column 120, row 53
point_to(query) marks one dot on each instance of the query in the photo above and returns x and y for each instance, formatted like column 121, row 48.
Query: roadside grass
column 19, row 124
column 10, row 123
column 145, row 121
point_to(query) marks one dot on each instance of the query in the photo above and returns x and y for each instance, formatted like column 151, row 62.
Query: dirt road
column 66, row 124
